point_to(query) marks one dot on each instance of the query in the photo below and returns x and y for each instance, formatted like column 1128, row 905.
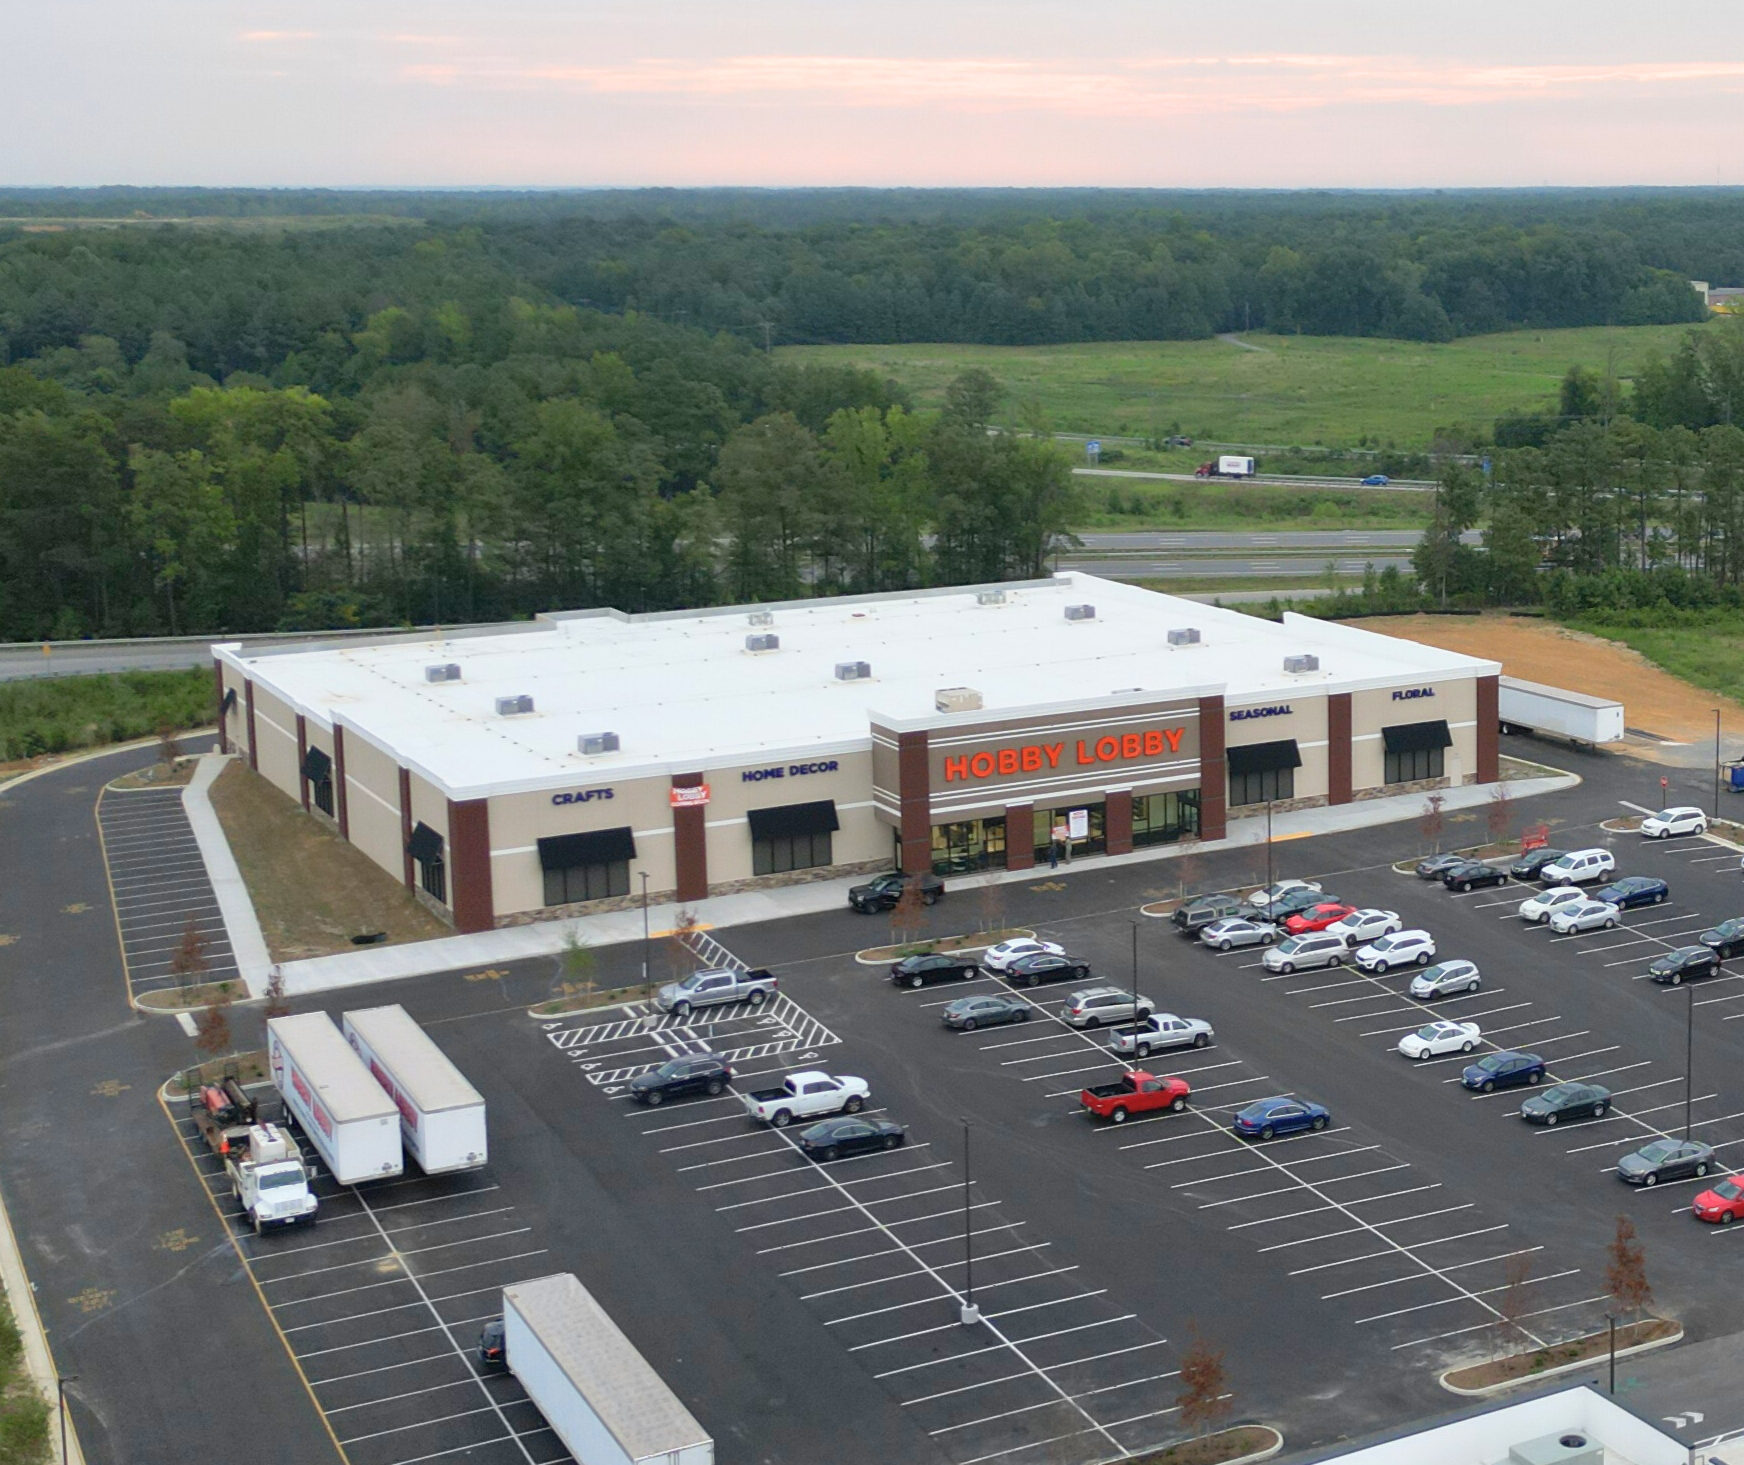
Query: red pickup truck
column 1136, row 1092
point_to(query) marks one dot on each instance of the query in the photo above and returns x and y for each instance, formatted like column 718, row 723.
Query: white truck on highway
column 1535, row 708
column 598, row 1394
column 441, row 1114
column 1231, row 466
column 269, row 1180
column 351, row 1123
column 806, row 1096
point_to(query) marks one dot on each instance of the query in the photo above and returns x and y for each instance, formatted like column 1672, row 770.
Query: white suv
column 1685, row 819
column 1360, row 927
column 1298, row 953
column 1402, row 948
column 1578, row 867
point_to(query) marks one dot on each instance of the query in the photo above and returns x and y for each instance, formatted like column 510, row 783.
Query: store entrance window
column 1164, row 818
column 1047, row 821
column 967, row 845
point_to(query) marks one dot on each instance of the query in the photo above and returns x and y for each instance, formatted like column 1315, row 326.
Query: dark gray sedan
column 968, row 1013
column 1666, row 1159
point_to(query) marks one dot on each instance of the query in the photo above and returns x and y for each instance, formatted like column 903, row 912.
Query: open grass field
column 1292, row 390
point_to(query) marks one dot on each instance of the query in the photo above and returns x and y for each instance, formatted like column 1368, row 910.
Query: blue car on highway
column 1376, row 480
column 1633, row 890
column 1503, row 1071
column 1283, row 1114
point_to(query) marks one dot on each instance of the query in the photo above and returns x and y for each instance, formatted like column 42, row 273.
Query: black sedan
column 1684, row 964
column 1503, row 1071
column 919, row 971
column 1292, row 902
column 1633, row 890
column 692, row 1073
column 1433, row 867
column 1727, row 938
column 850, row 1135
column 1044, row 966
column 1530, row 864
column 968, row 1013
column 1469, row 874
column 1666, row 1159
column 1567, row 1101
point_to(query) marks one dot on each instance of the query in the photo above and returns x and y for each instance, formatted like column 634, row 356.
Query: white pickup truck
column 808, row 1096
column 269, row 1179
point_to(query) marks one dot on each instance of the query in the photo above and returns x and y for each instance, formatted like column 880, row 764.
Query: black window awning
column 318, row 767
column 595, row 847
column 1414, row 737
column 815, row 818
column 1264, row 757
column 229, row 702
column 425, row 844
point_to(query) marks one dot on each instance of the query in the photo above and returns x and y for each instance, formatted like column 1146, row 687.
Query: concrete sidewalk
column 241, row 925
column 546, row 938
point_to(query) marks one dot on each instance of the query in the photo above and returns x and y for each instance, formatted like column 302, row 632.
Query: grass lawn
column 1708, row 653
column 1134, row 503
column 1303, row 390
column 24, row 1414
column 62, row 714
column 312, row 891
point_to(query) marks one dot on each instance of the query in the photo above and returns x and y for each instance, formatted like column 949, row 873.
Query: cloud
column 277, row 37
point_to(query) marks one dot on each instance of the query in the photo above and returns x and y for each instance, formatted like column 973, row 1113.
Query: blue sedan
column 1281, row 1115
column 1376, row 480
column 1633, row 890
column 1503, row 1071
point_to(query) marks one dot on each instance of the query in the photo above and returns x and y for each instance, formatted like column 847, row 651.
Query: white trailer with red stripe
column 351, row 1123
column 441, row 1113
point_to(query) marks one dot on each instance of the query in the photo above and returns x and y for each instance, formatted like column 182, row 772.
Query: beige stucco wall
column 235, row 720
column 1454, row 701
column 519, row 821
column 372, row 803
column 1305, row 722
column 275, row 726
column 731, row 798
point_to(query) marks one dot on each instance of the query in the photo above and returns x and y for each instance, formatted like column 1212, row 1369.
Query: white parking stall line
column 855, row 1317
column 1536, row 1022
column 1479, row 1327
column 1379, row 1226
column 471, row 1379
column 1328, row 987
column 1258, row 1169
column 1101, row 1067
column 1486, row 1292
column 1020, row 1042
column 1287, row 1216
column 1451, row 1267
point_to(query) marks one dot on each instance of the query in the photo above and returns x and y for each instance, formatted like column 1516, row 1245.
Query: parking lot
column 160, row 886
column 381, row 1303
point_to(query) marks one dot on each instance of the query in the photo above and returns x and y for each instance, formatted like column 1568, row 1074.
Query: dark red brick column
column 1338, row 748
column 341, row 809
column 1213, row 771
column 1019, row 837
column 406, row 827
column 690, row 842
column 1117, row 822
column 469, row 865
column 302, row 753
column 915, row 784
column 1489, row 727
column 253, row 756
column 218, row 692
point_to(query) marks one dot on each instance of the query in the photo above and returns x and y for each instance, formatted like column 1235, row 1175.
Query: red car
column 1724, row 1203
column 1135, row 1092
column 1317, row 917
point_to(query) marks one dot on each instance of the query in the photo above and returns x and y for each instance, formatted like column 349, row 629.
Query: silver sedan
column 1234, row 931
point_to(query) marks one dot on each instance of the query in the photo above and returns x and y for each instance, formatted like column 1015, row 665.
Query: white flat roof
column 410, row 1054
column 330, row 1064
column 682, row 692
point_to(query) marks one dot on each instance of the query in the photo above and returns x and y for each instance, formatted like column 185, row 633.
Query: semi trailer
column 442, row 1121
column 352, row 1124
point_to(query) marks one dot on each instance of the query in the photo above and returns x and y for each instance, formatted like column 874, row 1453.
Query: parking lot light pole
column 1268, row 847
column 1716, row 763
column 1689, row 1054
column 1611, row 1318
column 644, row 875
column 61, row 1383
column 967, row 1314
column 1137, row 1013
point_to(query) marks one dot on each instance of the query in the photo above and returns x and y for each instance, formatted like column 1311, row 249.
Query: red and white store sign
column 693, row 796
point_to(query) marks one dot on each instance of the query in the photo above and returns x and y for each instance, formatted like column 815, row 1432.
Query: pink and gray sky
column 1216, row 93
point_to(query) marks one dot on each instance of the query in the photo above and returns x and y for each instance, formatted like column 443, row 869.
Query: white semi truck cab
column 270, row 1180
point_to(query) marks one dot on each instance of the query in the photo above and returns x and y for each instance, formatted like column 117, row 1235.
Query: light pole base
column 968, row 1314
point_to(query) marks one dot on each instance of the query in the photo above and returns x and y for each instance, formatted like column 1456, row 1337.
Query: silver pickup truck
column 713, row 987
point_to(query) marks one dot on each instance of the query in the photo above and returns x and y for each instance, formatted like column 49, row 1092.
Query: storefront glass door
column 1048, row 821
column 967, row 845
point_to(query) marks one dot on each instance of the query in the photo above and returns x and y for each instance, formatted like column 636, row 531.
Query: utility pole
column 967, row 1314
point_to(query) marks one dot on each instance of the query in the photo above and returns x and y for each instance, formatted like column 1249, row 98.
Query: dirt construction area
column 1654, row 702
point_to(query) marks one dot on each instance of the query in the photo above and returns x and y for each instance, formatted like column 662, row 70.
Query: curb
column 74, row 759
column 1017, row 933
column 38, row 1358
column 241, row 925
column 1548, row 1373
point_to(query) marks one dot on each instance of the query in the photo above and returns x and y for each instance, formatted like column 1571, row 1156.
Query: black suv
column 1684, row 963
column 1532, row 863
column 918, row 971
column 694, row 1073
column 1192, row 916
column 883, row 893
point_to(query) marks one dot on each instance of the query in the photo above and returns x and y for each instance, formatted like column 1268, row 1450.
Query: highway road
column 1398, row 485
column 1326, row 541
column 1307, row 569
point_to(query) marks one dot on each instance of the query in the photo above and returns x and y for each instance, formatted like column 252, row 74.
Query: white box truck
column 1233, row 467
column 1533, row 707
column 352, row 1124
column 598, row 1394
column 441, row 1114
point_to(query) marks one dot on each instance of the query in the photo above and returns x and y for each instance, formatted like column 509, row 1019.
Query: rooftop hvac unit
column 765, row 642
column 853, row 671
column 1571, row 1447
column 957, row 699
column 761, row 618
column 1185, row 636
column 989, row 597
column 449, row 672
column 593, row 744
column 1301, row 663
column 514, row 706
column 1080, row 612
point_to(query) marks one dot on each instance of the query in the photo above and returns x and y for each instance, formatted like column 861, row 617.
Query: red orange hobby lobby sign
column 1034, row 757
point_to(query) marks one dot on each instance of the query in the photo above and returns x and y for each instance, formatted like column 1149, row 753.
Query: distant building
column 1722, row 299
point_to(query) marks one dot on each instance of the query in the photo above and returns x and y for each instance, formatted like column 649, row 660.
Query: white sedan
column 1445, row 978
column 1541, row 907
column 998, row 958
column 1585, row 915
column 1402, row 948
column 1440, row 1037
column 1667, row 822
column 1260, row 899
column 1361, row 927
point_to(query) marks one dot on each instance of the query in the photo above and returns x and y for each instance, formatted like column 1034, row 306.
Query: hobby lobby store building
column 586, row 758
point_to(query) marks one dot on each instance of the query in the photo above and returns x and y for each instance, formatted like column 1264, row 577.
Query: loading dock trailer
column 327, row 1090
column 442, row 1119
column 1534, row 707
column 598, row 1394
